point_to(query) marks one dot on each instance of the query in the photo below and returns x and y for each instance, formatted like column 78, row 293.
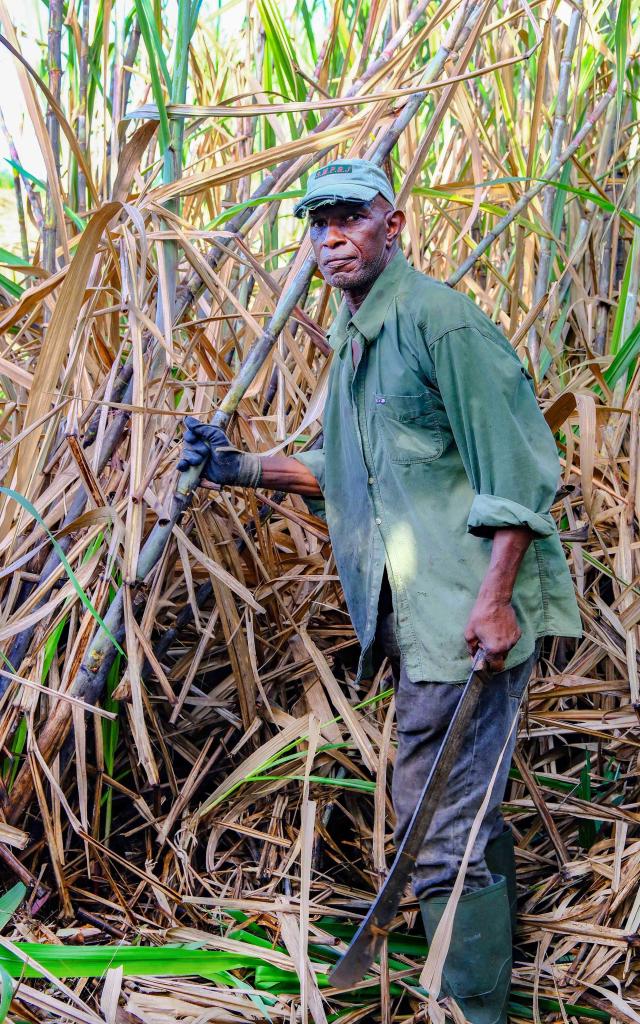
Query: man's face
column 352, row 242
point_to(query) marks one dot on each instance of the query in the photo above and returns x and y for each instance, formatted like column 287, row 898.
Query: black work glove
column 221, row 462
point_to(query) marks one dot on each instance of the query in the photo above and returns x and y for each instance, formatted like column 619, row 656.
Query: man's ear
column 396, row 221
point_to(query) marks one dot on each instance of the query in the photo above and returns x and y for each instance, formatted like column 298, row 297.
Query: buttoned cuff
column 490, row 513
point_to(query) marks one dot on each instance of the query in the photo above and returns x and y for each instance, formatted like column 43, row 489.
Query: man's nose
column 333, row 236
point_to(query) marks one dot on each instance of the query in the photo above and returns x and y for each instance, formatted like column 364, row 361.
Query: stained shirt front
column 432, row 441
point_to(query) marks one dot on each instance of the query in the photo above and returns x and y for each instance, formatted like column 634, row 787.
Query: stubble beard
column 358, row 280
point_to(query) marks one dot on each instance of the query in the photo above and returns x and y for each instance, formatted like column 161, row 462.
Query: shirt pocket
column 409, row 427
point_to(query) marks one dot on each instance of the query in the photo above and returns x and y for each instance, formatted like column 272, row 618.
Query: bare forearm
column 281, row 473
column 509, row 548
column 492, row 624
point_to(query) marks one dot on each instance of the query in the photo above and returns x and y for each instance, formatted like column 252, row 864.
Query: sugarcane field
column 319, row 511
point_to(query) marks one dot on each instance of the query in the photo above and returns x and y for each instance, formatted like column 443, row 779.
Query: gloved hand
column 221, row 462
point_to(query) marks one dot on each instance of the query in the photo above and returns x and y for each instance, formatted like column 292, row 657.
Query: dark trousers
column 423, row 713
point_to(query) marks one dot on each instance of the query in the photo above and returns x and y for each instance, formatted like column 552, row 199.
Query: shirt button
column 370, row 479
column 378, row 521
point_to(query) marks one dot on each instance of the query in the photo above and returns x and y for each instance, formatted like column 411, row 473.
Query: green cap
column 355, row 181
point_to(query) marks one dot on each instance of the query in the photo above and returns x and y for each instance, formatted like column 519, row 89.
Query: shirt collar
column 369, row 318
column 337, row 331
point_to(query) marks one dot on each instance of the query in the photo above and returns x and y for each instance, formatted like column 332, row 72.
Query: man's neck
column 356, row 296
column 354, row 299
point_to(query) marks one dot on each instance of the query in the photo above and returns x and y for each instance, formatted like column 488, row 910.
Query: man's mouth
column 340, row 263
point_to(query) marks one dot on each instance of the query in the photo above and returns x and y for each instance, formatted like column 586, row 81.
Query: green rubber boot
column 477, row 970
column 501, row 860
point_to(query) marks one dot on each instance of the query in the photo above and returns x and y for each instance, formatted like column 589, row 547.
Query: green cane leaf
column 6, row 994
column 156, row 59
column 10, row 901
column 623, row 26
column 625, row 357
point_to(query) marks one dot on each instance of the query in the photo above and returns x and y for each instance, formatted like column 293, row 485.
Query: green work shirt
column 431, row 443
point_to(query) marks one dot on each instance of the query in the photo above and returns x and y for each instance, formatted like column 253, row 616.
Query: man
column 438, row 472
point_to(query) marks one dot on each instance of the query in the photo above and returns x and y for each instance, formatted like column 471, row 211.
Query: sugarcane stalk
column 91, row 678
column 172, row 164
column 34, row 198
column 592, row 213
column 190, row 291
column 604, row 274
column 549, row 192
column 629, row 305
column 51, row 226
column 22, row 224
column 631, row 300
column 129, row 60
column 186, row 615
column 83, row 76
column 122, row 389
column 112, row 439
column 524, row 200
column 456, row 38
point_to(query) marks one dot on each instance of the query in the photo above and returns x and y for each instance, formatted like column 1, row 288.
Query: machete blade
column 367, row 941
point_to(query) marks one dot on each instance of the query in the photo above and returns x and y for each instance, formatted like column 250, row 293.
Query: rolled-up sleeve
column 506, row 447
column 314, row 461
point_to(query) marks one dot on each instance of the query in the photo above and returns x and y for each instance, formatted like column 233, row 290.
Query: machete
column 367, row 941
